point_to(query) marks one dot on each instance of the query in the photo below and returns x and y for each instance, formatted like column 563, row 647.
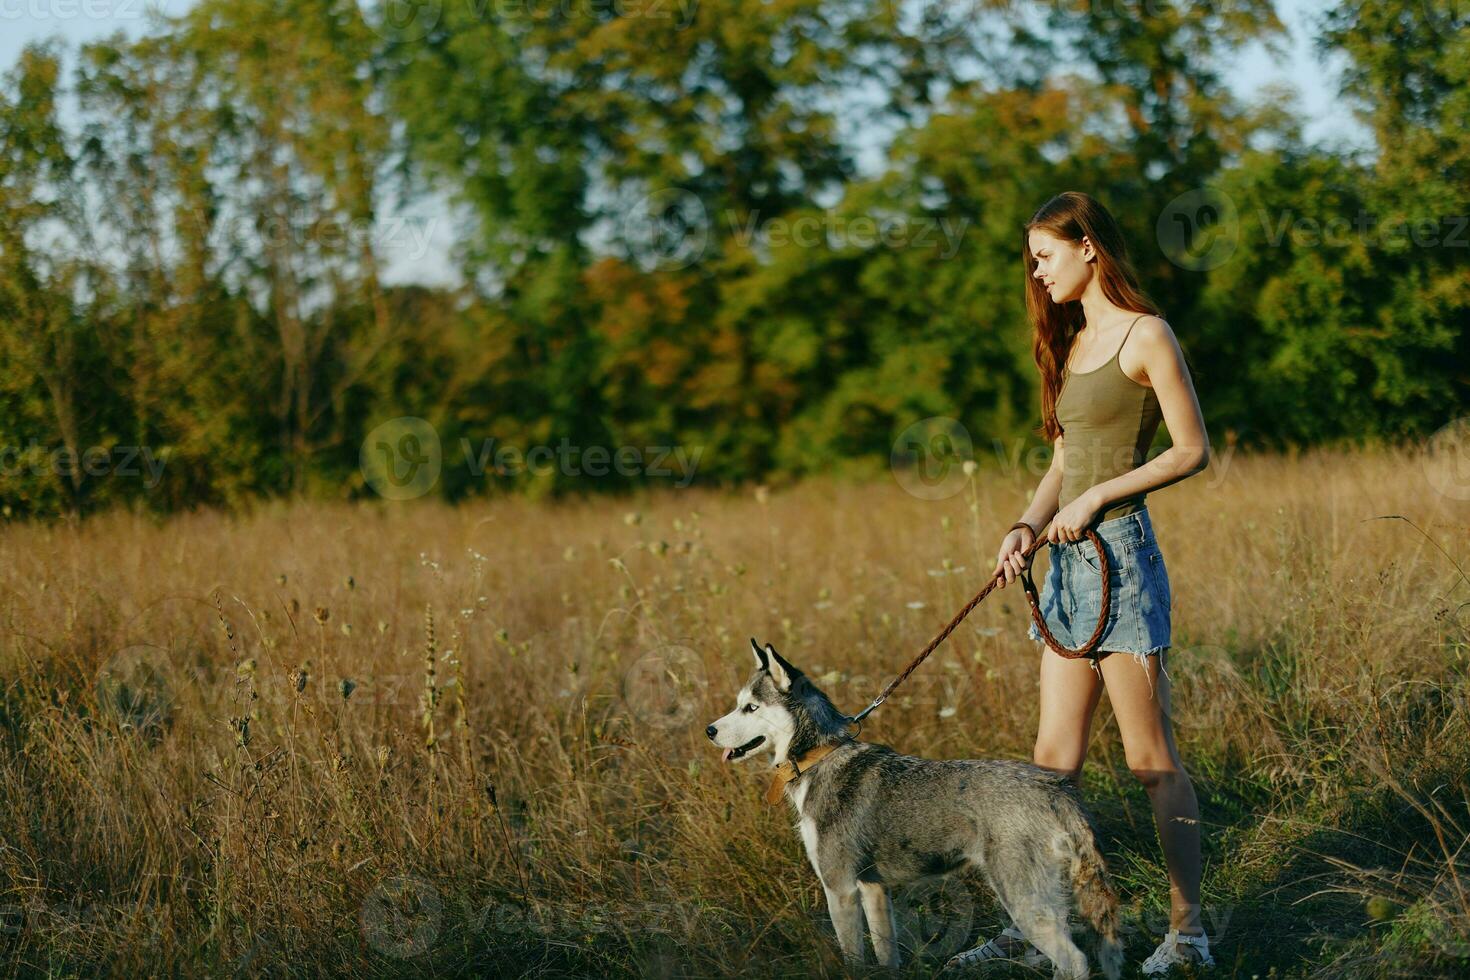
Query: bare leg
column 1070, row 690
column 881, row 924
column 1140, row 700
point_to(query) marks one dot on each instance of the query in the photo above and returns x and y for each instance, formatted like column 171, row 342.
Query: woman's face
column 1063, row 267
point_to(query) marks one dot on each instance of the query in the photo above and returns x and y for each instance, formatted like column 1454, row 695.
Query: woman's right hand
column 1009, row 563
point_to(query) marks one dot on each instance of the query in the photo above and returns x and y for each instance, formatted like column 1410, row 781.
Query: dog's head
column 777, row 707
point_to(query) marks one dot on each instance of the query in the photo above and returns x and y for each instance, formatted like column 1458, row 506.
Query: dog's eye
column 750, row 707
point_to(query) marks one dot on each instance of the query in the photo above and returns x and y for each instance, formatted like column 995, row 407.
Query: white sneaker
column 1013, row 951
column 1178, row 949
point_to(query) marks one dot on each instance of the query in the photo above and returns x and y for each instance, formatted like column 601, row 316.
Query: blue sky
column 424, row 253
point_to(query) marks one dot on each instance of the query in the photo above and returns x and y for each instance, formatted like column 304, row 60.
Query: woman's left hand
column 1072, row 519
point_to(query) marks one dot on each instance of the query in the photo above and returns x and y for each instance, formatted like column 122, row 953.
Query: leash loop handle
column 1087, row 649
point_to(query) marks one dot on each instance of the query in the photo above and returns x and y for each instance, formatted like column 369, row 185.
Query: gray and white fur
column 873, row 820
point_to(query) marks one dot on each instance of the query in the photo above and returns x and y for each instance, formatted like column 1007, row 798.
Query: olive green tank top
column 1108, row 422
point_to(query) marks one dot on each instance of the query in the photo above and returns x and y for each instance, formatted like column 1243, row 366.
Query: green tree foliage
column 666, row 238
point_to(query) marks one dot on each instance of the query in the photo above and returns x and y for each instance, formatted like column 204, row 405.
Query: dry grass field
column 416, row 739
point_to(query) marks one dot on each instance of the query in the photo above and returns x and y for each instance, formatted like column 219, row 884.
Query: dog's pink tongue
column 725, row 755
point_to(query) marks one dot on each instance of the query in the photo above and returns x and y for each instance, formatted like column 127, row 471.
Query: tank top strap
column 1127, row 332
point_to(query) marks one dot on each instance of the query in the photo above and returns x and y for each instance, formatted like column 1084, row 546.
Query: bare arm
column 1164, row 365
column 1043, row 507
column 1048, row 492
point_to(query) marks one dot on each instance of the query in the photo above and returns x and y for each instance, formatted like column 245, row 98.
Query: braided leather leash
column 1030, row 586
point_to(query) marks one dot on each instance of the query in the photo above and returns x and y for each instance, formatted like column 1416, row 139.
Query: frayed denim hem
column 1141, row 657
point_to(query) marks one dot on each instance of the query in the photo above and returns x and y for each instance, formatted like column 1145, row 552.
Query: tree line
column 665, row 240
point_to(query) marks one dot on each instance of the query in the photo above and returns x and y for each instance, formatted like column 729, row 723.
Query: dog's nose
column 710, row 731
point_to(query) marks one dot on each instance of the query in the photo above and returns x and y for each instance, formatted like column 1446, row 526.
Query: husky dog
column 872, row 819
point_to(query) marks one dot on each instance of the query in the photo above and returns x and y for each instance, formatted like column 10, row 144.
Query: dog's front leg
column 847, row 922
column 881, row 924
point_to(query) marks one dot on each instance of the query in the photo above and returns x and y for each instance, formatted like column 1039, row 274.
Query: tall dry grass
column 390, row 739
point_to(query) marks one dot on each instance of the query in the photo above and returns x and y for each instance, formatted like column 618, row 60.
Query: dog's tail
column 1096, row 900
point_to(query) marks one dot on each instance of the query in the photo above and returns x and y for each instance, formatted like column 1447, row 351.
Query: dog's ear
column 781, row 672
column 761, row 662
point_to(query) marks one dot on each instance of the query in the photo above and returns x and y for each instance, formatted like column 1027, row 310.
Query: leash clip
column 857, row 719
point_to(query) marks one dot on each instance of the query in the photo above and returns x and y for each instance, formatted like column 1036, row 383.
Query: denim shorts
column 1071, row 599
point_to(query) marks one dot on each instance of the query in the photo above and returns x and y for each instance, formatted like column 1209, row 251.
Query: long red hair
column 1070, row 216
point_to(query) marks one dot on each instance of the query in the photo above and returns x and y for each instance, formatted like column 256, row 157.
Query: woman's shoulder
column 1151, row 330
column 1154, row 322
column 1149, row 340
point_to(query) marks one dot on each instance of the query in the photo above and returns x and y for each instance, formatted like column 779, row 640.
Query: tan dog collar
column 789, row 770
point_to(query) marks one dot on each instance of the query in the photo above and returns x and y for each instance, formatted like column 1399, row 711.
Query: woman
column 1111, row 369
